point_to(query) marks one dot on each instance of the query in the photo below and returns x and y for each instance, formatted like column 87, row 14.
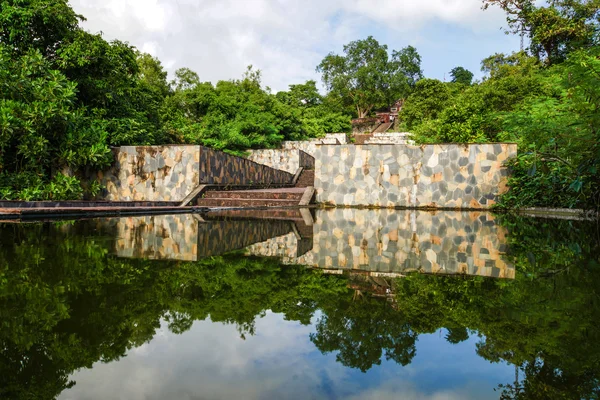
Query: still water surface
column 337, row 304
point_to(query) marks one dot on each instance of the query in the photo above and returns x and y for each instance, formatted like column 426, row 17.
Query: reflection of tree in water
column 65, row 304
column 544, row 322
column 361, row 329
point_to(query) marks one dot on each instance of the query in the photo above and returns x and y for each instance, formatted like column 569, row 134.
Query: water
column 340, row 304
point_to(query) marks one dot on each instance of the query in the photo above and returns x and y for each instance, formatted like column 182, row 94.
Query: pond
column 309, row 304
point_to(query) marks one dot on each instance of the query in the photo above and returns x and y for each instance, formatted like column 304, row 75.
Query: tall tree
column 555, row 28
column 461, row 75
column 367, row 77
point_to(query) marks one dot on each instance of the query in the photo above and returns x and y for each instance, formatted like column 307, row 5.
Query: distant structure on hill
column 384, row 120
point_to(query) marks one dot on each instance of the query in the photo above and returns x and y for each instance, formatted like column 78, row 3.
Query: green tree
column 366, row 77
column 429, row 98
column 554, row 28
column 461, row 75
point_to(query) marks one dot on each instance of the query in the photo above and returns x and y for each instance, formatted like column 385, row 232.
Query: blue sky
column 287, row 39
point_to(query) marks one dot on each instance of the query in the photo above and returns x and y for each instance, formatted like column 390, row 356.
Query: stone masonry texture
column 398, row 242
column 470, row 176
column 170, row 173
column 287, row 158
column 382, row 241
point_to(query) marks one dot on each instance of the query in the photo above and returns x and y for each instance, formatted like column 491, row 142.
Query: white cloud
column 286, row 39
column 210, row 361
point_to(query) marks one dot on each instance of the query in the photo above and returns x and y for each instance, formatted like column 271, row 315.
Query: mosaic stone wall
column 170, row 173
column 159, row 237
column 450, row 175
column 398, row 242
column 287, row 158
column 283, row 159
column 151, row 173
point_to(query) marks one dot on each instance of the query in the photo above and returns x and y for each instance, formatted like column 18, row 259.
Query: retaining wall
column 287, row 158
column 170, row 173
column 448, row 175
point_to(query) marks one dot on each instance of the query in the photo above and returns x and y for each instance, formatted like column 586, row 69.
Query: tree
column 428, row 99
column 41, row 25
column 366, row 77
column 461, row 75
column 409, row 62
column 555, row 29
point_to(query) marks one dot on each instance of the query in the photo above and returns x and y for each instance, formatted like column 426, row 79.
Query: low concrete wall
column 448, row 175
column 170, row 173
column 389, row 138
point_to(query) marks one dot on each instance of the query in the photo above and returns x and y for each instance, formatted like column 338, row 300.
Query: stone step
column 286, row 214
column 230, row 202
column 254, row 194
column 307, row 178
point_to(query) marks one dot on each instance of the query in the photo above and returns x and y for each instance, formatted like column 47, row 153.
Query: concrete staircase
column 383, row 127
column 282, row 197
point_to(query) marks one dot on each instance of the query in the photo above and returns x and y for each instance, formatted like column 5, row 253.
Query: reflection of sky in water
column 210, row 361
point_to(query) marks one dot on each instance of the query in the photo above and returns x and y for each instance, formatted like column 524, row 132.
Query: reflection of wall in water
column 159, row 237
column 183, row 237
column 400, row 241
column 219, row 237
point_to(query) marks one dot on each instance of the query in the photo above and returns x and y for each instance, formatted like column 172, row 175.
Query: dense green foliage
column 68, row 95
column 366, row 77
column 545, row 99
column 66, row 302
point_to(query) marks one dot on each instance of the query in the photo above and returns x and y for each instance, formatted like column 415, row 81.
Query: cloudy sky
column 287, row 39
column 210, row 361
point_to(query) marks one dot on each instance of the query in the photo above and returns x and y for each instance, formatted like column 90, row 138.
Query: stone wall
column 306, row 160
column 170, row 173
column 447, row 176
column 287, row 158
column 283, row 159
column 221, row 168
column 389, row 138
column 151, row 173
column 398, row 242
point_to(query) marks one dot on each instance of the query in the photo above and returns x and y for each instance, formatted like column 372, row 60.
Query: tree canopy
column 367, row 77
column 461, row 75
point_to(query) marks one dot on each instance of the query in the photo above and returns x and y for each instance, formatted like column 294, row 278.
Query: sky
column 211, row 361
column 287, row 39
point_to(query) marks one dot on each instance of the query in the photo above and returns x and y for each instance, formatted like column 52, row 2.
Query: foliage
column 541, row 322
column 554, row 28
column 461, row 75
column 366, row 77
column 66, row 303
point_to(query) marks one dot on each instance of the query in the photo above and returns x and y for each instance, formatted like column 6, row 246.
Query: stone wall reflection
column 380, row 242
column 157, row 237
column 398, row 242
column 186, row 237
